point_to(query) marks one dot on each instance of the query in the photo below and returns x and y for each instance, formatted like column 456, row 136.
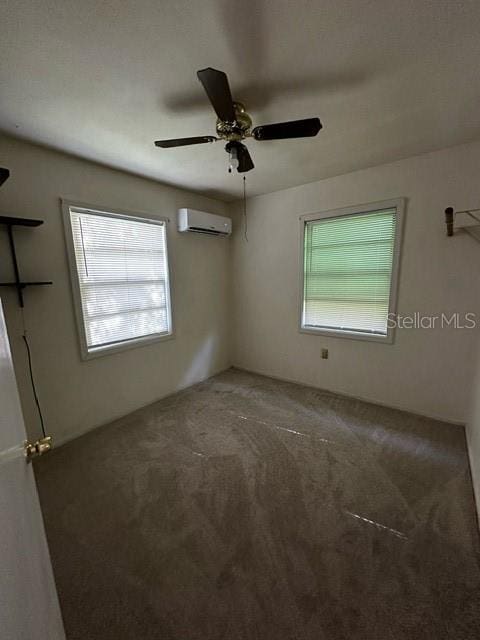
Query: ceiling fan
column 234, row 124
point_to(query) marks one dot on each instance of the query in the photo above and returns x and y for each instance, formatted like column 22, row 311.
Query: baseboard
column 60, row 441
column 353, row 397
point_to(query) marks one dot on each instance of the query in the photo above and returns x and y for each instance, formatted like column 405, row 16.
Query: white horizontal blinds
column 348, row 271
column 123, row 277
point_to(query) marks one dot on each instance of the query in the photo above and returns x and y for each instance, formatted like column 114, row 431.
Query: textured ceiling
column 102, row 80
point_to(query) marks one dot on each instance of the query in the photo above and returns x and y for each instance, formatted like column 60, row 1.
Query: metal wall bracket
column 37, row 448
column 467, row 220
column 18, row 284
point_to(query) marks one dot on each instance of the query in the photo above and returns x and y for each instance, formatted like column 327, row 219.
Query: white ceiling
column 102, row 80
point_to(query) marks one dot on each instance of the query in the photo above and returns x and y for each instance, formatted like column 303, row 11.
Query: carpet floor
column 245, row 508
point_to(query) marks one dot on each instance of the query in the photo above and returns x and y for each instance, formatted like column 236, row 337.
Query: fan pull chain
column 245, row 208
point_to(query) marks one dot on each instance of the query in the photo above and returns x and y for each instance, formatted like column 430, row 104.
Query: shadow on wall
column 201, row 363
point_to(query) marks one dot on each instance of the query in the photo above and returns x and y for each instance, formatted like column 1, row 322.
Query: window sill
column 124, row 346
column 351, row 335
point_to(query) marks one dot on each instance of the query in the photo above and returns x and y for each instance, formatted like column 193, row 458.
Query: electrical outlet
column 324, row 354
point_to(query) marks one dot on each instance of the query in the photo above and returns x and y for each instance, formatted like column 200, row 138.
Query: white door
column 29, row 607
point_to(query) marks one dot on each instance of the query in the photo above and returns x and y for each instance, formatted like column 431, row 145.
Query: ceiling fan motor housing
column 237, row 130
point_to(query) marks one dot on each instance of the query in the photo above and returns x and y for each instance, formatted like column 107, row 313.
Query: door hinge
column 37, row 448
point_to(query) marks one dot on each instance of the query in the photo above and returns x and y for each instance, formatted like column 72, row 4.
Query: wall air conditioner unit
column 202, row 222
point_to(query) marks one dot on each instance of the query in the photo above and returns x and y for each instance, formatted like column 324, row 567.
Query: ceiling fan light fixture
column 233, row 161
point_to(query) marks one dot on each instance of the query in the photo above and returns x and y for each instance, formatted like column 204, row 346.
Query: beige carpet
column 245, row 508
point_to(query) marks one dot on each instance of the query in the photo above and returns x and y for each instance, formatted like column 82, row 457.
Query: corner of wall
column 473, row 435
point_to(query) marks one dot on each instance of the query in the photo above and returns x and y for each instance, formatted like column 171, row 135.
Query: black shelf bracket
column 18, row 284
column 11, row 222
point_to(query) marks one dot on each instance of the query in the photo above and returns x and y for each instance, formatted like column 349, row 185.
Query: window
column 350, row 265
column 119, row 271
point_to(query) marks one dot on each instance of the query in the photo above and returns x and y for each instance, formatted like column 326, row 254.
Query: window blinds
column 123, row 277
column 348, row 262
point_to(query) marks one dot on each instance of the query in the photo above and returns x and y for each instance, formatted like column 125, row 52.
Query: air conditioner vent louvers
column 211, row 232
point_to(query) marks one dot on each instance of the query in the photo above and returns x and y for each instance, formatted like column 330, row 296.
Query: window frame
column 87, row 353
column 371, row 207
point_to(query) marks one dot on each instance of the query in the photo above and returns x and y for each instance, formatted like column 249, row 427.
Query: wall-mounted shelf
column 18, row 284
column 467, row 220
column 21, row 222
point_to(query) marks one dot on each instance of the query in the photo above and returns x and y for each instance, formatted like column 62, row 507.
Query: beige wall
column 78, row 395
column 425, row 371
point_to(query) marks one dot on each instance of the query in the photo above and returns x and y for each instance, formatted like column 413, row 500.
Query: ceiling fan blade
column 4, row 173
column 217, row 89
column 245, row 162
column 282, row 130
column 182, row 142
